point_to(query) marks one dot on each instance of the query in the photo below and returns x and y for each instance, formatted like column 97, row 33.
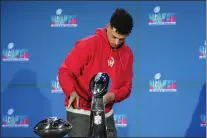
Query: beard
column 119, row 46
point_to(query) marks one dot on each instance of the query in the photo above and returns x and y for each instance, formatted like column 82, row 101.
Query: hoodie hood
column 102, row 33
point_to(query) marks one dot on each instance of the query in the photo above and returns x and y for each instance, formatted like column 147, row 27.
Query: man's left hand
column 109, row 97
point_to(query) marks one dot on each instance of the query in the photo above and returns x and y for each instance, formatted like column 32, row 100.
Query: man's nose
column 117, row 41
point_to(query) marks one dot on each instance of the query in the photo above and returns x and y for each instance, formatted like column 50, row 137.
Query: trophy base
column 52, row 133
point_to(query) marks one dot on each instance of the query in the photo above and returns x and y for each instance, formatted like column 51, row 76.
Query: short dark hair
column 122, row 21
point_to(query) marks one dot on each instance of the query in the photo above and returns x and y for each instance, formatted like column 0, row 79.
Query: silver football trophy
column 52, row 127
column 99, row 87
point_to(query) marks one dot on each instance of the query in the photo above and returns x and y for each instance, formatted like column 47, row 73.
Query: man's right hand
column 73, row 97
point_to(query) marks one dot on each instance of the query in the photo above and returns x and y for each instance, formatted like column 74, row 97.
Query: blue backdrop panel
column 168, row 95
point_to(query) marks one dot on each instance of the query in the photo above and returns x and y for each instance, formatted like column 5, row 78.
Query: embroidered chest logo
column 111, row 62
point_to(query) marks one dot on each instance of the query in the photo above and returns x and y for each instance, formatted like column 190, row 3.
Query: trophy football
column 52, row 127
column 99, row 87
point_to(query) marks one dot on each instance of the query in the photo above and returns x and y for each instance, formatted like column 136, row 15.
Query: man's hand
column 73, row 97
column 109, row 97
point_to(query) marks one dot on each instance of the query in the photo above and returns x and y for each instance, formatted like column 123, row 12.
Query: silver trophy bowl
column 99, row 84
column 52, row 127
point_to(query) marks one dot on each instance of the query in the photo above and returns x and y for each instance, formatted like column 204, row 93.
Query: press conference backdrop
column 169, row 46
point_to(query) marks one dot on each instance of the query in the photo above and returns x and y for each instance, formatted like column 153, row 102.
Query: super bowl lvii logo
column 158, row 85
column 12, row 120
column 202, row 51
column 56, row 87
column 203, row 120
column 60, row 20
column 120, row 120
column 12, row 54
column 157, row 18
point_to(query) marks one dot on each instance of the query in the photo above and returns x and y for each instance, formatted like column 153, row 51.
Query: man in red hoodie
column 105, row 51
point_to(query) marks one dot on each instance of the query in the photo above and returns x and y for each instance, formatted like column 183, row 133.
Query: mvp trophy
column 99, row 87
column 52, row 127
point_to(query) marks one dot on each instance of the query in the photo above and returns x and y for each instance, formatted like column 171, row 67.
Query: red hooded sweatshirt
column 89, row 56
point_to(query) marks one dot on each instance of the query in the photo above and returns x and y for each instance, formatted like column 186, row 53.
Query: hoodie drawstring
column 119, row 56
